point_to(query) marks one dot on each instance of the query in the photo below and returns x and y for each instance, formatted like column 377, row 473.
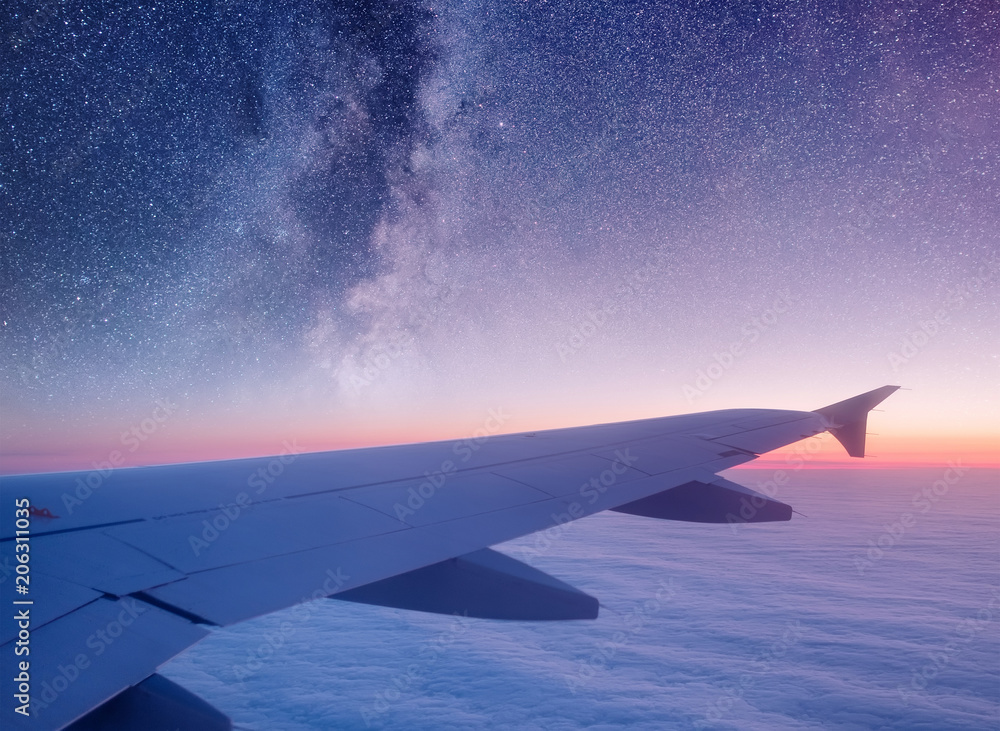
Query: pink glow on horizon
column 237, row 439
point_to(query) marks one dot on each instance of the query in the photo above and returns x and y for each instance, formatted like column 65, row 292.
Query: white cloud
column 857, row 638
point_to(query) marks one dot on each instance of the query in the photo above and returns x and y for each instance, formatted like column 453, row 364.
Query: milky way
column 310, row 215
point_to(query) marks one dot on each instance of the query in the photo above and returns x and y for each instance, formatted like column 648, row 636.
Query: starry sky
column 235, row 226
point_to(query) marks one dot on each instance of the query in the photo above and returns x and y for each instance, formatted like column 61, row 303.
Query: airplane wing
column 109, row 574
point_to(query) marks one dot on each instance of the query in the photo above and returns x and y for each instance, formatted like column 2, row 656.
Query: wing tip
column 848, row 420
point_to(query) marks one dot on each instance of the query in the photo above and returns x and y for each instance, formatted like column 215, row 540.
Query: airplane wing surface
column 108, row 575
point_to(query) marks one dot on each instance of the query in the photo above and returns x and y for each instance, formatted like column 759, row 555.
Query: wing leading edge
column 128, row 575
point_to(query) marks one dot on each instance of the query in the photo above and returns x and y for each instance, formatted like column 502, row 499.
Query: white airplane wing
column 107, row 576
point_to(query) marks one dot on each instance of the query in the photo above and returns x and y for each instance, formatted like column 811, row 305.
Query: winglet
column 848, row 420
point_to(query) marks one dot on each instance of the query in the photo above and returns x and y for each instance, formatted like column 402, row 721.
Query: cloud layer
column 772, row 626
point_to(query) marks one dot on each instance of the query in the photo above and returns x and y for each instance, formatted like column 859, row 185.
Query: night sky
column 356, row 223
